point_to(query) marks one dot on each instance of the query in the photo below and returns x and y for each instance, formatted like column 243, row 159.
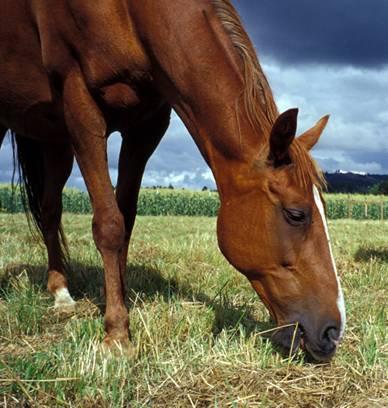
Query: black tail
column 30, row 168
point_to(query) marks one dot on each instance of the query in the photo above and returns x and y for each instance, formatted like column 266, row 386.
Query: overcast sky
column 321, row 56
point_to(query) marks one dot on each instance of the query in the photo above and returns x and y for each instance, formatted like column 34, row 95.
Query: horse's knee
column 109, row 231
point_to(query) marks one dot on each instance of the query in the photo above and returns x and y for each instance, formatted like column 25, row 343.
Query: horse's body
column 72, row 72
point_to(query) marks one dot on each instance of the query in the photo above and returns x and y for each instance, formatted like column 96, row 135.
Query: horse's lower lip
column 318, row 356
column 314, row 351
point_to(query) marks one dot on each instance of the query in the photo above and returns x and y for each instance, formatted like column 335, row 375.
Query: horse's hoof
column 64, row 308
column 118, row 346
column 64, row 303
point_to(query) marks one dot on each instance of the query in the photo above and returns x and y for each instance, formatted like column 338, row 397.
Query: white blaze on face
column 63, row 299
column 340, row 297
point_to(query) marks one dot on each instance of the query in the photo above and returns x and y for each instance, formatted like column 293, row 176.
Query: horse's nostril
column 329, row 339
column 321, row 345
column 332, row 333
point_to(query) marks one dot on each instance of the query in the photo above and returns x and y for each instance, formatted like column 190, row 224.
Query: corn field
column 181, row 202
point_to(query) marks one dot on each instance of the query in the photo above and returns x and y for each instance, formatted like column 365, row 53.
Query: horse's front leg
column 137, row 146
column 88, row 130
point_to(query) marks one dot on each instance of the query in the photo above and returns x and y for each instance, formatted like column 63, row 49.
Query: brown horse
column 73, row 71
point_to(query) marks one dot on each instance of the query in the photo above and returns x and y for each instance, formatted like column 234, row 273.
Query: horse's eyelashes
column 295, row 216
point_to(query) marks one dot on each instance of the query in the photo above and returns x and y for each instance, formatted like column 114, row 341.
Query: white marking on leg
column 340, row 297
column 63, row 298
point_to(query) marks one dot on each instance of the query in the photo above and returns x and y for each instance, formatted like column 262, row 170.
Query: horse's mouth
column 294, row 337
column 302, row 343
column 289, row 339
column 316, row 355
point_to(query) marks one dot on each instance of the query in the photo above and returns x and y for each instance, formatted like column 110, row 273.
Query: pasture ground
column 196, row 324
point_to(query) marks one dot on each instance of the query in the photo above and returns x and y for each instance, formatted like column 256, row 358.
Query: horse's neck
column 202, row 76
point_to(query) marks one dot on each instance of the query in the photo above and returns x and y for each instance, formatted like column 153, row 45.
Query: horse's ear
column 282, row 134
column 311, row 136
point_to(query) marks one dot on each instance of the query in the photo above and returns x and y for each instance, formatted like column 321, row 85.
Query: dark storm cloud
column 380, row 158
column 332, row 31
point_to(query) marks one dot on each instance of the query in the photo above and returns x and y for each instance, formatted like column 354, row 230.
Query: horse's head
column 274, row 231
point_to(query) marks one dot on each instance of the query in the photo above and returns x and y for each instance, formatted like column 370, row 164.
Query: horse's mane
column 257, row 97
column 257, row 92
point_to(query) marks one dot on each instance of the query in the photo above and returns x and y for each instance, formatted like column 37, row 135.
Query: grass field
column 195, row 321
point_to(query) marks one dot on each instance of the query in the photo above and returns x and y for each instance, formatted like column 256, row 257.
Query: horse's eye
column 294, row 216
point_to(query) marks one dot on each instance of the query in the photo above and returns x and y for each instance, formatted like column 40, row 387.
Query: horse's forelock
column 308, row 172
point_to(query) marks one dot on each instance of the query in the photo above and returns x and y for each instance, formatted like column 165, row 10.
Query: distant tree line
column 342, row 183
column 352, row 183
column 379, row 188
column 171, row 187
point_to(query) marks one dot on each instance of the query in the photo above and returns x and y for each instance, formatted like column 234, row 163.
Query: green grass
column 196, row 324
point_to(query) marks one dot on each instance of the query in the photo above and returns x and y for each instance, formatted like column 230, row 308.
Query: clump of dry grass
column 196, row 324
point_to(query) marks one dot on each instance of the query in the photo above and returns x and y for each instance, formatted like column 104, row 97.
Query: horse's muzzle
column 320, row 345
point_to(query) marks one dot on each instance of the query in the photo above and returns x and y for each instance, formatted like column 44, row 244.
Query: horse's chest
column 125, row 106
column 119, row 96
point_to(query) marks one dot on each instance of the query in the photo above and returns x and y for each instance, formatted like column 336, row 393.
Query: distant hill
column 353, row 182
